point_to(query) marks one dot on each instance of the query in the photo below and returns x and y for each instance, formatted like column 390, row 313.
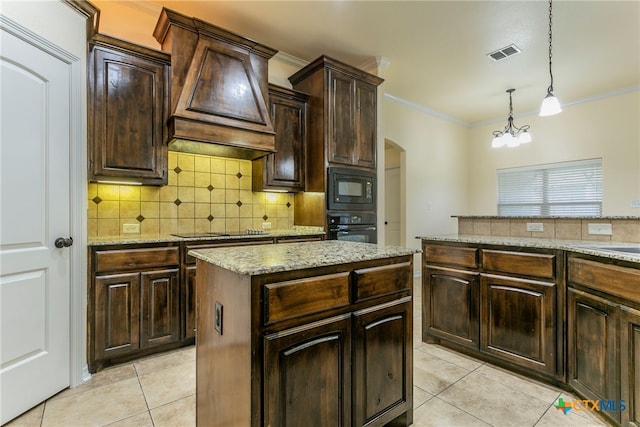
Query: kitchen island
column 316, row 333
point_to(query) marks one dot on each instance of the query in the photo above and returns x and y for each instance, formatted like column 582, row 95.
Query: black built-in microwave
column 351, row 189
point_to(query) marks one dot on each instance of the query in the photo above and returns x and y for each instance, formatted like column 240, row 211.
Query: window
column 560, row 189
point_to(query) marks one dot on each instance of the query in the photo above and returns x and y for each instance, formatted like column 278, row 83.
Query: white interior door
column 392, row 206
column 34, row 211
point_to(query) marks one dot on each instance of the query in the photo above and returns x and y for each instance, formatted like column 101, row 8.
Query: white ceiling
column 436, row 50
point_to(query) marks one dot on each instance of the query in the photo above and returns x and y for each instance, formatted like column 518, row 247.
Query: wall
column 606, row 128
column 435, row 167
column 204, row 194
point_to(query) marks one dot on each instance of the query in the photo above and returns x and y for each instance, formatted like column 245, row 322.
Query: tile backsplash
column 204, row 194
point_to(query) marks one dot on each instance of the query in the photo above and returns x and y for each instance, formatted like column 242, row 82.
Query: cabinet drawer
column 451, row 255
column 383, row 280
column 134, row 259
column 294, row 298
column 529, row 264
column 614, row 280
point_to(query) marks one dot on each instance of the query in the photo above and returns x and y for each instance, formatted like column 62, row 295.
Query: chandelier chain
column 550, row 42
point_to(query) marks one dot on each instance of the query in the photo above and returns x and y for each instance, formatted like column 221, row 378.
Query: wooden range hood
column 219, row 89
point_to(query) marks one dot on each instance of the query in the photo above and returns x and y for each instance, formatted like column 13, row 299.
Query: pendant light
column 550, row 104
column 511, row 136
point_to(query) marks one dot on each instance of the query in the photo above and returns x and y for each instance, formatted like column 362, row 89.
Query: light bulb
column 510, row 140
column 524, row 137
column 497, row 142
column 550, row 105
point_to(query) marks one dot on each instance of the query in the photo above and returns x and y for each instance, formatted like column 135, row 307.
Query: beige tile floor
column 450, row 389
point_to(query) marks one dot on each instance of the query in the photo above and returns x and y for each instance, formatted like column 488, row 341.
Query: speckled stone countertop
column 594, row 218
column 164, row 238
column 579, row 246
column 264, row 259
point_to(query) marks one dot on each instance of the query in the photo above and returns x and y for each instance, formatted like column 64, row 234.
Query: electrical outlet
column 266, row 226
column 535, row 226
column 599, row 228
column 635, row 203
column 130, row 228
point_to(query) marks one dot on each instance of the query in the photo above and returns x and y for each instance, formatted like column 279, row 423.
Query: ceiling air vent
column 505, row 52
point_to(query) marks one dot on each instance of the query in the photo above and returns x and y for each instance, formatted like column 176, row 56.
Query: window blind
column 559, row 189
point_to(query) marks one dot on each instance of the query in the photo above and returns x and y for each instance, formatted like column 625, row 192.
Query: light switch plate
column 535, row 226
column 130, row 228
column 600, row 228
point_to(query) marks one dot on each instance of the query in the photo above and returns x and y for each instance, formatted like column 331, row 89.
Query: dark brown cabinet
column 330, row 345
column 127, row 110
column 451, row 306
column 381, row 362
column 133, row 302
column 308, row 361
column 630, row 358
column 594, row 369
column 343, row 112
column 518, row 321
column 499, row 303
column 604, row 336
column 284, row 169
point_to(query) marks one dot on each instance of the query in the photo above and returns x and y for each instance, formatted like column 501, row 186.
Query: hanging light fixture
column 550, row 104
column 511, row 136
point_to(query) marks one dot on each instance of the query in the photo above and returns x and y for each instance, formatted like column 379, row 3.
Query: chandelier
column 511, row 136
column 550, row 104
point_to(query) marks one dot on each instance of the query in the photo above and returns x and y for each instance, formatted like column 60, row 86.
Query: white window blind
column 560, row 189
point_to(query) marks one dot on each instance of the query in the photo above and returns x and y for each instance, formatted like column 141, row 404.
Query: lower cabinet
column 500, row 303
column 305, row 375
column 630, row 358
column 381, row 370
column 133, row 302
column 451, row 302
column 519, row 321
column 328, row 346
column 604, row 336
column 594, row 368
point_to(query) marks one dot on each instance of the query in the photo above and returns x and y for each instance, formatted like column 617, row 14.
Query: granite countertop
column 594, row 218
column 164, row 238
column 255, row 260
column 579, row 246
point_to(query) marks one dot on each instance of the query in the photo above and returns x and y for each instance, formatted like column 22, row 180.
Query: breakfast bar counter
column 292, row 332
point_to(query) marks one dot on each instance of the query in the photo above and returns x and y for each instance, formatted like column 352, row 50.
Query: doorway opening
column 395, row 197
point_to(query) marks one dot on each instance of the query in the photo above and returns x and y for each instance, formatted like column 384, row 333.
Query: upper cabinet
column 342, row 125
column 284, row 169
column 219, row 88
column 127, row 109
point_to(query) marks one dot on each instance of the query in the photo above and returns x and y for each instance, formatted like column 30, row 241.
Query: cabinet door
column 340, row 143
column 382, row 363
column 593, row 364
column 365, row 125
column 285, row 168
column 630, row 366
column 127, row 97
column 519, row 322
column 160, row 320
column 117, row 313
column 306, row 375
column 188, row 301
column 450, row 306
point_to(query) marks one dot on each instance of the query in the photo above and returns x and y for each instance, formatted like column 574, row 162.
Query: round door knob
column 63, row 242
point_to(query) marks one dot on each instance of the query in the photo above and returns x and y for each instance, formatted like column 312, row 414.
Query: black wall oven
column 351, row 190
column 352, row 226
